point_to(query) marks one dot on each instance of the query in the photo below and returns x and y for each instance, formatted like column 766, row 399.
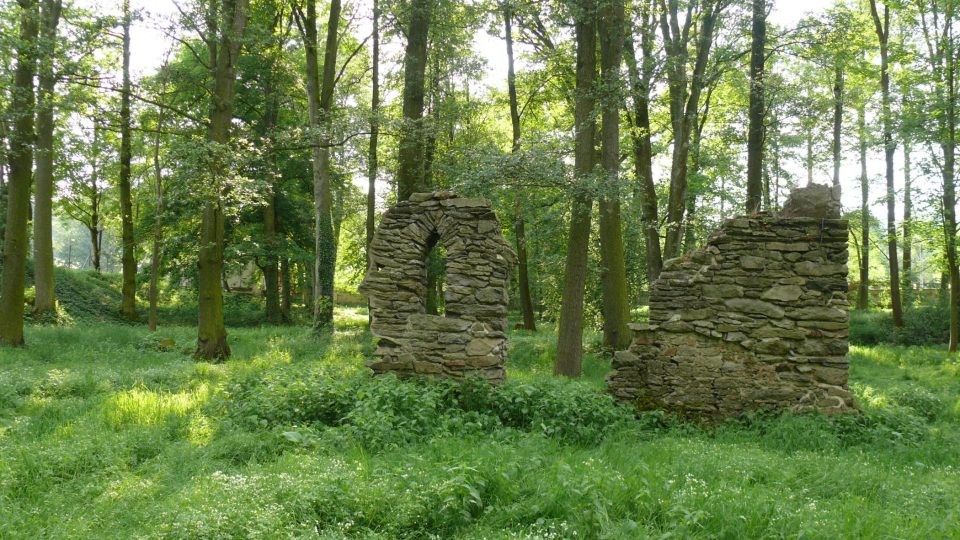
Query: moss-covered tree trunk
column 570, row 330
column 44, row 300
column 320, row 102
column 224, row 50
column 128, row 300
column 21, row 175
column 616, row 307
column 410, row 168
column 4, row 156
column 271, row 272
column 271, row 238
column 755, row 131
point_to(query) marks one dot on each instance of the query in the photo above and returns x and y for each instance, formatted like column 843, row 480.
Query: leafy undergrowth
column 105, row 432
column 923, row 325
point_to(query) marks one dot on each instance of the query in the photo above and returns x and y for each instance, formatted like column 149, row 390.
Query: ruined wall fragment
column 757, row 318
column 470, row 338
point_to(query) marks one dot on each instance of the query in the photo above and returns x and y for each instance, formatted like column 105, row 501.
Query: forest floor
column 108, row 432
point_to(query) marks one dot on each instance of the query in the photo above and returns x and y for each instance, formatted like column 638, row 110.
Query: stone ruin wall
column 470, row 338
column 757, row 318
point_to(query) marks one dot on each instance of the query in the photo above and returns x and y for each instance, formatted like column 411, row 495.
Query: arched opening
column 436, row 273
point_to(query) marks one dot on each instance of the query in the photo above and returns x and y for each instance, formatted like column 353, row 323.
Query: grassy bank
column 105, row 434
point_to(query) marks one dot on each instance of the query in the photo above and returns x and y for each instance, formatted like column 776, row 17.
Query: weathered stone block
column 755, row 307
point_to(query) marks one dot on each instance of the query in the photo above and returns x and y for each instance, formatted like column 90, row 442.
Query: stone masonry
column 757, row 318
column 470, row 339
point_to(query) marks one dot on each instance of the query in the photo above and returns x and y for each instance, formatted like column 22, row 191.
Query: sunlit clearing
column 199, row 432
column 144, row 407
column 273, row 357
column 351, row 316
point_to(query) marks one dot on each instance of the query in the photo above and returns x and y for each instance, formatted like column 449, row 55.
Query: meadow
column 107, row 431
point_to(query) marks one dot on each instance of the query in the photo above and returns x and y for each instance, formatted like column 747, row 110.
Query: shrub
column 922, row 401
column 924, row 325
column 386, row 411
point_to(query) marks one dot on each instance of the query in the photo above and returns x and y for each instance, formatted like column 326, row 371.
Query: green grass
column 105, row 435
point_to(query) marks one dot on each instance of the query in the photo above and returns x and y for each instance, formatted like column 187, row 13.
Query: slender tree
column 320, row 99
column 45, row 300
column 907, row 227
column 755, row 131
column 21, row 175
column 570, row 329
column 224, row 48
column 863, row 293
column 523, row 270
column 641, row 77
column 936, row 23
column 128, row 302
column 156, row 250
column 373, row 163
column 889, row 147
column 684, row 96
column 836, row 144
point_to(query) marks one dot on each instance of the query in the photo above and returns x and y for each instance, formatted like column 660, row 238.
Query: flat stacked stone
column 757, row 318
column 471, row 337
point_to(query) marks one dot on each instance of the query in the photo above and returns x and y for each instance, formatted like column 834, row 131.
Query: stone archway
column 470, row 338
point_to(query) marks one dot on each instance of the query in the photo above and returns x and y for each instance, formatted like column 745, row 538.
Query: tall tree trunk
column 4, row 156
column 224, row 51
column 755, row 131
column 21, row 175
column 523, row 269
column 890, row 147
column 285, row 289
column 616, row 307
column 949, row 147
column 863, row 296
column 684, row 103
column 96, row 234
column 570, row 330
column 410, row 168
column 373, row 162
column 941, row 58
column 128, row 301
column 271, row 240
column 271, row 272
column 907, row 226
column 435, row 264
column 45, row 301
column 640, row 78
column 431, row 128
column 766, row 188
column 156, row 250
column 837, row 127
column 320, row 97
